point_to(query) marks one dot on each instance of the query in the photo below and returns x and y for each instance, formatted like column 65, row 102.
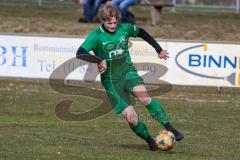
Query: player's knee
column 132, row 119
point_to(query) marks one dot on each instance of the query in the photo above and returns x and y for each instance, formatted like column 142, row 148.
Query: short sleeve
column 133, row 31
column 90, row 42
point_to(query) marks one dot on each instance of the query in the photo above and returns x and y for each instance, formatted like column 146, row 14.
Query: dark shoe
column 131, row 17
column 178, row 135
column 152, row 144
column 83, row 20
column 130, row 14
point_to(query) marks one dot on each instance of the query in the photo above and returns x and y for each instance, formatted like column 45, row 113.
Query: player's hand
column 163, row 55
column 102, row 66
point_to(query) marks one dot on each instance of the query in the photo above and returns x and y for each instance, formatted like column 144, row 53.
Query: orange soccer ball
column 165, row 141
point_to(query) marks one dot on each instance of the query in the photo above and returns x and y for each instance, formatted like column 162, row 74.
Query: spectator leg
column 116, row 3
column 87, row 7
column 95, row 9
column 124, row 7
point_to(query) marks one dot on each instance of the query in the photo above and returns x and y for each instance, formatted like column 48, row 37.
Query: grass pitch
column 30, row 129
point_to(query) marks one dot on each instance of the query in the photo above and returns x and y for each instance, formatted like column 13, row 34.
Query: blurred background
column 204, row 5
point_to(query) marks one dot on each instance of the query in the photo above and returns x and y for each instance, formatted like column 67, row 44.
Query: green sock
column 141, row 130
column 157, row 112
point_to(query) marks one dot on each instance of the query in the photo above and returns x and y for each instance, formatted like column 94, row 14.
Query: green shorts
column 119, row 90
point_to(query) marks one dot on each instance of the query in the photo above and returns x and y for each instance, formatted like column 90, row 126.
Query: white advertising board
column 201, row 64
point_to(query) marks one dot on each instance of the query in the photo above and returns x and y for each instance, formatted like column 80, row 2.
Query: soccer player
column 119, row 77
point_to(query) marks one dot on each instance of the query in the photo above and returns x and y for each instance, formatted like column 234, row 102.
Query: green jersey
column 113, row 47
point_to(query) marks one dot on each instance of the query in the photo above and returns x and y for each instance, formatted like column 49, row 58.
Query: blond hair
column 108, row 12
